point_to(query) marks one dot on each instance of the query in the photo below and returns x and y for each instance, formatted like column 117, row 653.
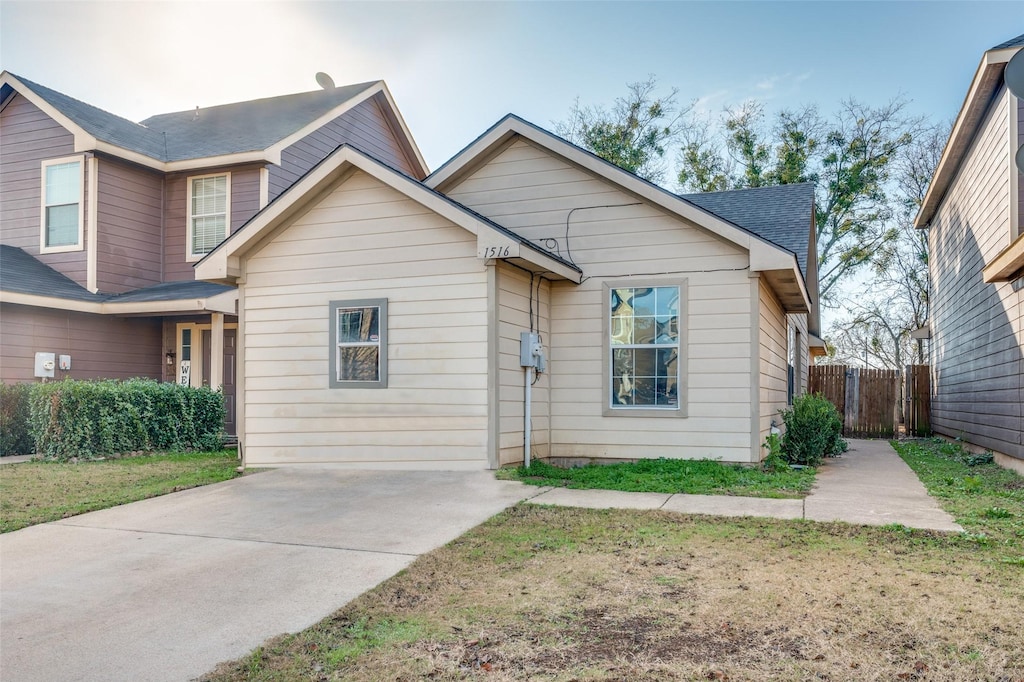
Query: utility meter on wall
column 531, row 352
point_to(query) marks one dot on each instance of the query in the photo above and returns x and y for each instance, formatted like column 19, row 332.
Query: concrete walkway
column 166, row 588
column 869, row 485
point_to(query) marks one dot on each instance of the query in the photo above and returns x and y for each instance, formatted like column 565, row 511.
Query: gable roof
column 254, row 130
column 782, row 266
column 222, row 264
column 779, row 213
column 26, row 280
column 985, row 86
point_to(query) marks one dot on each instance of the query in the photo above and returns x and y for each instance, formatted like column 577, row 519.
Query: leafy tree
column 849, row 156
column 635, row 134
column 895, row 302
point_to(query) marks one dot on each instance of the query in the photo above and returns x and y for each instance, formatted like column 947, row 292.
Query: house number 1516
column 497, row 252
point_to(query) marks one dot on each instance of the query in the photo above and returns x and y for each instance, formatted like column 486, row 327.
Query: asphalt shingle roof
column 780, row 214
column 245, row 126
column 213, row 131
column 22, row 273
column 1012, row 42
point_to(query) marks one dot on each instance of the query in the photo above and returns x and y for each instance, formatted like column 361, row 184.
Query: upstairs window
column 359, row 349
column 62, row 205
column 209, row 213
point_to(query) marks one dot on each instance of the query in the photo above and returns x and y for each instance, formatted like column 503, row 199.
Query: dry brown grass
column 570, row 594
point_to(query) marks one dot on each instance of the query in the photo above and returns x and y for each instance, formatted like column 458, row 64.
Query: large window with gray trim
column 645, row 348
column 359, row 337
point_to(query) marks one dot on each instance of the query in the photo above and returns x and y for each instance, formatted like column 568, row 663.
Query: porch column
column 216, row 350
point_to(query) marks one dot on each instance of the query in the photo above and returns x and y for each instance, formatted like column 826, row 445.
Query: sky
column 456, row 68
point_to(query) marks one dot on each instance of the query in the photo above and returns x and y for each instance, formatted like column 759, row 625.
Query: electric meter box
column 45, row 364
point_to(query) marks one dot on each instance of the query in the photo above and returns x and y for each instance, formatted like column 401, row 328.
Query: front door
column 229, row 374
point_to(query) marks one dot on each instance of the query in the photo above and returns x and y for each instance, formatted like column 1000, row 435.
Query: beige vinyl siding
column 514, row 318
column 129, row 209
column 365, row 240
column 100, row 346
column 364, row 127
column 245, row 203
column 977, row 333
column 532, row 192
column 774, row 361
column 27, row 137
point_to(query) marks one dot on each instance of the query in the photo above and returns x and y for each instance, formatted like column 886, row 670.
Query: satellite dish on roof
column 324, row 81
column 1014, row 74
column 1020, row 159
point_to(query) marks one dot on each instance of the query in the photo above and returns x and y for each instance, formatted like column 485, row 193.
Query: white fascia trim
column 92, row 230
column 991, row 58
column 766, row 255
column 83, row 140
column 221, row 303
column 407, row 134
column 279, row 146
column 221, row 264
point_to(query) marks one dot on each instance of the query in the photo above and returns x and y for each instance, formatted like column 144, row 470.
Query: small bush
column 90, row 419
column 15, row 438
column 813, row 430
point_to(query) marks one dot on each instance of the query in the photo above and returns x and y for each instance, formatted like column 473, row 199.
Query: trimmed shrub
column 813, row 430
column 88, row 419
column 15, row 438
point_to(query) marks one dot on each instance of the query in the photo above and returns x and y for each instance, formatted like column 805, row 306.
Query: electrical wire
column 568, row 249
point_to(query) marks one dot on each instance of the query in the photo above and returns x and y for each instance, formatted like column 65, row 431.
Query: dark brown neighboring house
column 976, row 265
column 102, row 220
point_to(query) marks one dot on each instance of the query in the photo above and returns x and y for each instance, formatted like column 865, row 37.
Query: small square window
column 358, row 346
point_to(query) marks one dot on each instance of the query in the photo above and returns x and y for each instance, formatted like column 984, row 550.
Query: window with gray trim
column 359, row 350
column 644, row 340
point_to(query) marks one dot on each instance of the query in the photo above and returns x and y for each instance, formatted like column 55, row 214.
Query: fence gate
column 917, row 416
column 868, row 399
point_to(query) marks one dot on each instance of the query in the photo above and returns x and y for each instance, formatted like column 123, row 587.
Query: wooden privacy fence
column 870, row 399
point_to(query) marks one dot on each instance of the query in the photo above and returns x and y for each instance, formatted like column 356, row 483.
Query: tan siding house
column 976, row 265
column 662, row 325
column 116, row 289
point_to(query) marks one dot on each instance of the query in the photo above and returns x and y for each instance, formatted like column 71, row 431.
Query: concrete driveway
column 166, row 588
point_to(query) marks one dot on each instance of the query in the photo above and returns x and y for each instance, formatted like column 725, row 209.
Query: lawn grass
column 696, row 477
column 559, row 594
column 983, row 497
column 37, row 492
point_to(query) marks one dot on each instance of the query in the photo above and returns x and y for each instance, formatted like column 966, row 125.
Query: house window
column 62, row 205
column 209, row 213
column 359, row 342
column 645, row 348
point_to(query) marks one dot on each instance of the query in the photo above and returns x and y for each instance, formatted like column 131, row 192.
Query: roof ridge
column 360, row 86
column 38, row 86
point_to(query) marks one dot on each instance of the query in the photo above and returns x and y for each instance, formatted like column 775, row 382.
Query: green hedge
column 15, row 438
column 88, row 419
column 813, row 430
